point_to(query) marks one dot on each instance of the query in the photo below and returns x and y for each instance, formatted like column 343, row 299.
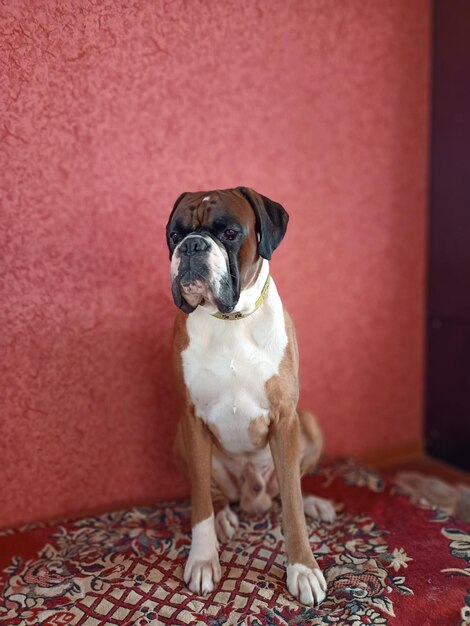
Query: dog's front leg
column 202, row 569
column 305, row 580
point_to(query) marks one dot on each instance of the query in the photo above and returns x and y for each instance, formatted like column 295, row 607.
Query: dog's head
column 216, row 240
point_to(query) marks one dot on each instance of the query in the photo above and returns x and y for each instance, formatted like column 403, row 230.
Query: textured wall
column 108, row 112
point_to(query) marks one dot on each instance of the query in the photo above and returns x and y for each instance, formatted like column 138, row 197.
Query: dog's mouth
column 197, row 287
column 196, row 290
column 192, row 289
column 203, row 276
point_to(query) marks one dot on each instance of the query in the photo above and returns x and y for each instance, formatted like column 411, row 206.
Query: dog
column 241, row 437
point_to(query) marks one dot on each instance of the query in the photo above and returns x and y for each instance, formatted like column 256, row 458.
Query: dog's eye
column 174, row 238
column 230, row 234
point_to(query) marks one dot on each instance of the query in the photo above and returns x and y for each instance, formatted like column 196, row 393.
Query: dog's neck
column 250, row 299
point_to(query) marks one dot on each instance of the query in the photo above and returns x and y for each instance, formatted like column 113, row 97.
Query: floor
column 427, row 466
column 432, row 481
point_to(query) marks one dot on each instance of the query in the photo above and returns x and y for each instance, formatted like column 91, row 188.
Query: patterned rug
column 386, row 560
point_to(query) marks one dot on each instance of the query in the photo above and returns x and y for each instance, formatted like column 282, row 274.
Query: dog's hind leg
column 319, row 508
column 311, row 444
column 224, row 490
column 226, row 521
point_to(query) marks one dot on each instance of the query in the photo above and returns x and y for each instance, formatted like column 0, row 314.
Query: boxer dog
column 241, row 437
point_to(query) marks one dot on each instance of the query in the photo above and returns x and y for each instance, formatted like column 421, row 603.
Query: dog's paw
column 305, row 584
column 319, row 508
column 226, row 524
column 202, row 576
column 202, row 571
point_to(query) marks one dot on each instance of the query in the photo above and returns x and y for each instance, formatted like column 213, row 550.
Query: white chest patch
column 227, row 364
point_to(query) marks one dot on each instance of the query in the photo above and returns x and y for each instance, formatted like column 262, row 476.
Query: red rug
column 386, row 561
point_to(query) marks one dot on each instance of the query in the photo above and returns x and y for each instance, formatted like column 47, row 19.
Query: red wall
column 108, row 113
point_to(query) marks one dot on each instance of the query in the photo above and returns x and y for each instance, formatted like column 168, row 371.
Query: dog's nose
column 192, row 245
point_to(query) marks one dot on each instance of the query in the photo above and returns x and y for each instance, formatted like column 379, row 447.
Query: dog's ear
column 271, row 221
column 178, row 200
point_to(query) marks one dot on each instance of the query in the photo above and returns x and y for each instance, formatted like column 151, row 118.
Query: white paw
column 202, row 576
column 319, row 508
column 305, row 584
column 226, row 524
column 202, row 571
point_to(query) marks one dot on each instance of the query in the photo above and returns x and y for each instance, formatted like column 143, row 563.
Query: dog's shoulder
column 180, row 343
column 292, row 350
column 284, row 385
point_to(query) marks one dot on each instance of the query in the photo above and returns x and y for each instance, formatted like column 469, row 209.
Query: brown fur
column 285, row 441
column 258, row 431
column 193, row 442
column 195, row 212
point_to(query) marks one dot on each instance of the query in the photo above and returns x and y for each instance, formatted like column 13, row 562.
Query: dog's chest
column 226, row 367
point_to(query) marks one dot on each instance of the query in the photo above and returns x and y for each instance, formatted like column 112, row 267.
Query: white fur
column 319, row 508
column 202, row 569
column 305, row 584
column 226, row 524
column 227, row 364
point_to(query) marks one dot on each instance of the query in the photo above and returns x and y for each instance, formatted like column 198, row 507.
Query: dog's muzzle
column 200, row 274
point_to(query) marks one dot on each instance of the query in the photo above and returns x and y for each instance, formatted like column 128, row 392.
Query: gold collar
column 239, row 316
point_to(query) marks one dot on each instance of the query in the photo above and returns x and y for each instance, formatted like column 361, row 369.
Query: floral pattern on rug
column 135, row 550
column 352, row 474
column 460, row 548
column 126, row 567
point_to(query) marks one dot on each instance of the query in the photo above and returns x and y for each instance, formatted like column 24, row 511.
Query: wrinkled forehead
column 213, row 208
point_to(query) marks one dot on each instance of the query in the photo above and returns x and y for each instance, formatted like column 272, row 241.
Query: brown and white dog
column 241, row 437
